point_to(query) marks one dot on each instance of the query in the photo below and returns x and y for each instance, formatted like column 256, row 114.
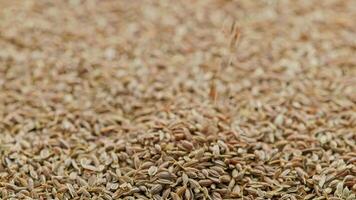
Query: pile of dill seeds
column 178, row 100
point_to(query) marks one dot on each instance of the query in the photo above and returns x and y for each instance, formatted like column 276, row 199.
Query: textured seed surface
column 204, row 99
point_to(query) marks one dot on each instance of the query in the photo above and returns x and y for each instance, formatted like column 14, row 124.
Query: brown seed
column 71, row 190
column 166, row 193
column 156, row 188
column 235, row 173
column 225, row 178
column 216, row 195
column 339, row 189
column 185, row 179
column 92, row 180
column 205, row 182
column 175, row 196
column 236, row 189
column 166, row 175
column 187, row 145
column 322, row 181
column 194, row 184
column 231, row 184
column 180, row 191
column 279, row 120
column 188, row 194
column 152, row 170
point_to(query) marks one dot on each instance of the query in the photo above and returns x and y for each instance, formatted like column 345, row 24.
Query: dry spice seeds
column 177, row 99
